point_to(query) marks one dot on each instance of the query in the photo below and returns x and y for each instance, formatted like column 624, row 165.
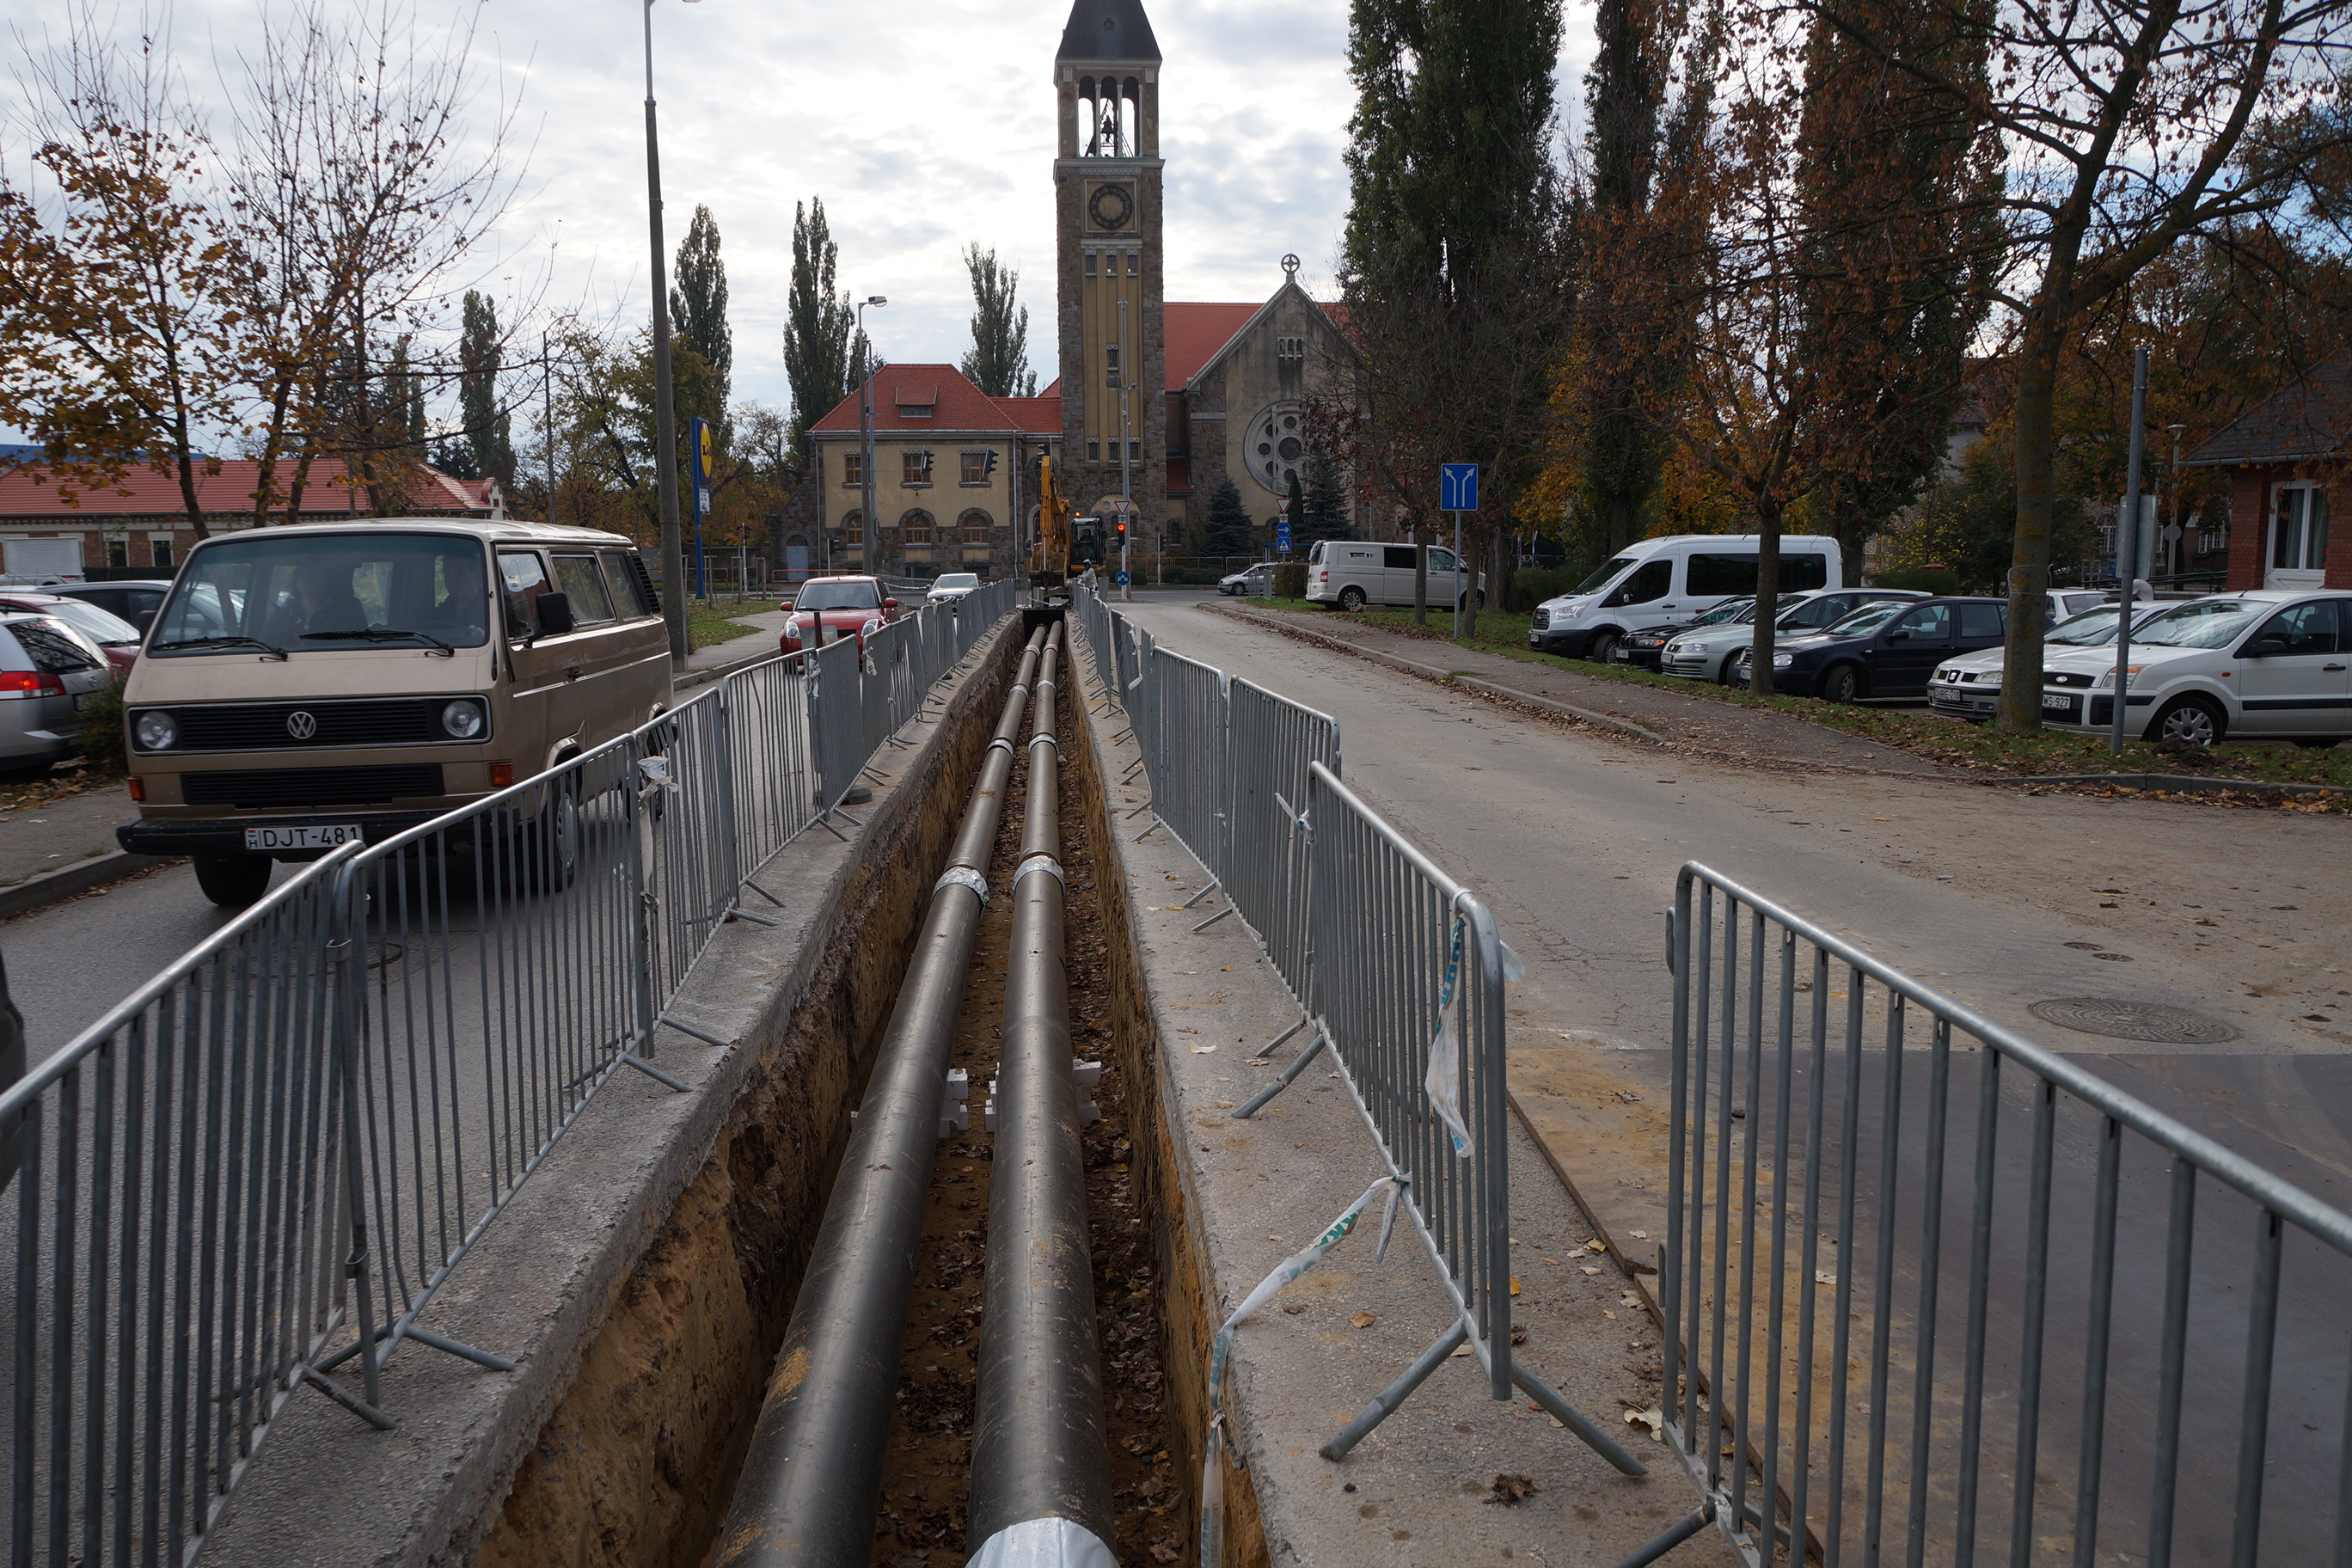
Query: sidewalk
column 1643, row 712
column 55, row 835
column 761, row 643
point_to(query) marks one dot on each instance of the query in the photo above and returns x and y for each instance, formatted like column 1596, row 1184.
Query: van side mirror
column 554, row 612
column 2268, row 647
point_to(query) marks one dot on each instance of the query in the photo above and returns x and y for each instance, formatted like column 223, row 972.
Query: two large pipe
column 810, row 1486
column 1040, row 1473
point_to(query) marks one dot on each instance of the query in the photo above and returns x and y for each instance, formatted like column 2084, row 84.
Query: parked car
column 950, row 586
column 138, row 602
column 1643, row 649
column 110, row 631
column 1659, row 581
column 305, row 688
column 1969, row 687
column 1712, row 654
column 1254, row 581
column 827, row 609
column 1885, row 649
column 2266, row 665
column 47, row 670
column 1351, row 573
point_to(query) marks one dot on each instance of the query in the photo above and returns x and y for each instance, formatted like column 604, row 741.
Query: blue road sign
column 1120, row 578
column 1457, row 487
column 1282, row 536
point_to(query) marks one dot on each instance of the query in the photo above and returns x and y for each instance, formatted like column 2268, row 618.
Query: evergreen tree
column 486, row 423
column 1326, row 503
column 1228, row 530
column 998, row 362
column 818, row 325
column 697, row 304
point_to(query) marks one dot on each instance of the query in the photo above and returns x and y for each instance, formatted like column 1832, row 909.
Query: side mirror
column 2268, row 647
column 889, row 603
column 1898, row 636
column 554, row 612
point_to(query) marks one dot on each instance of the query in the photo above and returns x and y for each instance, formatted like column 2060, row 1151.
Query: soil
column 926, row 1477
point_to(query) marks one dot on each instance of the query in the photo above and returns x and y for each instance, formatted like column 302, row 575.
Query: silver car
column 1712, row 653
column 47, row 670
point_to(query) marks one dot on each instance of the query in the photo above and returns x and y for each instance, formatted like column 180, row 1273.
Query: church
column 1156, row 402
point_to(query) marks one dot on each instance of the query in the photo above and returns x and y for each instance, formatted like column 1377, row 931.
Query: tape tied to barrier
column 962, row 876
column 1040, row 862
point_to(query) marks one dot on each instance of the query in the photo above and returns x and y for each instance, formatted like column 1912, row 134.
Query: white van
column 1351, row 573
column 1659, row 581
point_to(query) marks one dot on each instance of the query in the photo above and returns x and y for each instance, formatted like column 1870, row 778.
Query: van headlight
column 463, row 720
column 155, row 731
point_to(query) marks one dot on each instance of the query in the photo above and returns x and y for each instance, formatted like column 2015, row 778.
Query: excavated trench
column 637, row 1463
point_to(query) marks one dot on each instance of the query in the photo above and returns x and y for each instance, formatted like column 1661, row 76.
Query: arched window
column 974, row 525
column 852, row 524
column 915, row 527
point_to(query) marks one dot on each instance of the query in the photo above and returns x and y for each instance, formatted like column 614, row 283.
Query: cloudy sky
column 922, row 126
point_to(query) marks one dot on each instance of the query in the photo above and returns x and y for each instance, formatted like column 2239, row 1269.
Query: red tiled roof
column 1196, row 331
column 29, row 490
column 1039, row 415
column 955, row 402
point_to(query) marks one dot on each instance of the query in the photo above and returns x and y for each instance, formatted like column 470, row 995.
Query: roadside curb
column 72, row 881
column 2181, row 782
column 1446, row 678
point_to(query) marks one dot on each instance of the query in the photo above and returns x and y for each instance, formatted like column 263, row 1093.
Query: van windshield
column 1602, row 578
column 296, row 590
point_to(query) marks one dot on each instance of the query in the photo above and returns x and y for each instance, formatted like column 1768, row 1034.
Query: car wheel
column 1603, row 648
column 234, row 881
column 1843, row 684
column 1351, row 598
column 1734, row 670
column 2195, row 719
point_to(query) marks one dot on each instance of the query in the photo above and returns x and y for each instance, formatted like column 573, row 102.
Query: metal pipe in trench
column 809, row 1487
column 1040, row 1474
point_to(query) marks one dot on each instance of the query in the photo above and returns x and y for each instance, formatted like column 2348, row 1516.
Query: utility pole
column 665, row 422
column 1126, row 493
column 2178, row 552
column 2128, row 550
column 870, row 530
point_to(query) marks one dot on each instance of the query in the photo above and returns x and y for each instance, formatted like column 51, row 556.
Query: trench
column 637, row 1463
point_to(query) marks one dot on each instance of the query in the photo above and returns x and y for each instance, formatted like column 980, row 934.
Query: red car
column 830, row 608
column 117, row 637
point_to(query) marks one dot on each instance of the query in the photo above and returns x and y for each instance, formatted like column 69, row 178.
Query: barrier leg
column 1396, row 1394
column 1288, row 1074
column 1576, row 1421
column 1267, row 1050
column 1658, row 1545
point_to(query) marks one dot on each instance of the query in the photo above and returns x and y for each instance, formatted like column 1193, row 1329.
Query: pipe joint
column 1040, row 862
column 1046, row 740
column 963, row 877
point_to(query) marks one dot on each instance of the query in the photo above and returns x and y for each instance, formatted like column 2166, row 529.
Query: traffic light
column 988, row 467
column 1119, row 533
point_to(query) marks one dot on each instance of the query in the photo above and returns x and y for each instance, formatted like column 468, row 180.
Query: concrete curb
column 2183, row 782
column 1446, row 678
column 72, row 881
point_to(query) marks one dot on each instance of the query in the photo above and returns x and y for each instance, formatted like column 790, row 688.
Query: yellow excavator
column 1049, row 562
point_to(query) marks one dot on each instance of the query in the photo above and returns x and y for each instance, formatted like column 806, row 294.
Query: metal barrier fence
column 264, row 1163
column 1930, row 1288
column 1398, row 967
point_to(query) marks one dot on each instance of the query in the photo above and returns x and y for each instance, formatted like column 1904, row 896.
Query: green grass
column 709, row 622
column 1953, row 742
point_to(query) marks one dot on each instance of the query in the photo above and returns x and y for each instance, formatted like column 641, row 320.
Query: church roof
column 1109, row 30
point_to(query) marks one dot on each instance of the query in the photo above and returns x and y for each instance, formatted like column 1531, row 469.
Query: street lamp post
column 673, row 558
column 870, row 530
column 2178, row 550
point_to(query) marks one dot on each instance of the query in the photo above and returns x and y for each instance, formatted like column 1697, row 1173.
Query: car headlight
column 2106, row 682
column 1674, row 647
column 869, row 629
column 156, row 732
column 463, row 720
column 1783, row 661
column 793, row 626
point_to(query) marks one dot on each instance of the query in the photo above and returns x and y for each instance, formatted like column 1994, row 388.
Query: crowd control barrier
column 1933, row 1293
column 262, row 1165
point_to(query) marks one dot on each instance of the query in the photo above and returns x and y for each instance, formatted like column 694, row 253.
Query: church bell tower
column 1107, row 208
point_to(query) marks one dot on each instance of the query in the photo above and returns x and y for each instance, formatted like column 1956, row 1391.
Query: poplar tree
column 698, row 305
column 818, row 325
column 998, row 362
column 486, row 423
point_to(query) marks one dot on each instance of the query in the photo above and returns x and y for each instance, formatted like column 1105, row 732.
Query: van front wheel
column 1603, row 648
column 1351, row 598
column 234, row 881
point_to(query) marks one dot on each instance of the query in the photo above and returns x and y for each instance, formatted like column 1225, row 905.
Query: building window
column 117, row 553
column 974, row 525
column 915, row 527
column 1132, row 258
column 1134, row 450
column 853, row 468
column 1094, row 449
column 1110, row 365
column 162, row 550
column 974, row 469
column 1290, row 348
column 914, row 466
column 1090, row 263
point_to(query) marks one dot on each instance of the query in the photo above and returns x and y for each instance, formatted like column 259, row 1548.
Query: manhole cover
column 2148, row 1021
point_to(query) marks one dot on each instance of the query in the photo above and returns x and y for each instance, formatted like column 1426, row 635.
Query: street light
column 673, row 555
column 870, row 534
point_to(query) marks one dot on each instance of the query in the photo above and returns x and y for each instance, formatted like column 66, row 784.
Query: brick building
column 2286, row 462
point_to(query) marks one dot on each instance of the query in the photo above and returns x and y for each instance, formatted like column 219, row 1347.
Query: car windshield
column 958, row 580
column 1602, row 578
column 2209, row 623
column 1731, row 611
column 2092, row 629
column 853, row 595
column 308, row 592
column 1868, row 618
column 99, row 625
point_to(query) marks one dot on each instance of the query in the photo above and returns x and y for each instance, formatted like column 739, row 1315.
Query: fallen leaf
column 1653, row 1418
column 1293, row 1308
column 1644, row 1234
column 1361, row 1320
column 1203, row 1050
column 1259, row 1061
column 1510, row 1490
column 1596, row 1245
column 1588, row 1271
column 1228, row 1105
column 1514, row 1279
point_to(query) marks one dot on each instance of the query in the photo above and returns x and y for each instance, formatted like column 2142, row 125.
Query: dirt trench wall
column 637, row 1465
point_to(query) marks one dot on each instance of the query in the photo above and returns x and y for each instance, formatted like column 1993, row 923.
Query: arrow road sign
column 1457, row 487
column 1282, row 536
column 1120, row 578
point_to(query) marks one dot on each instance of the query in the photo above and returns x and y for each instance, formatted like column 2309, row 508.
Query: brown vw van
column 306, row 686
